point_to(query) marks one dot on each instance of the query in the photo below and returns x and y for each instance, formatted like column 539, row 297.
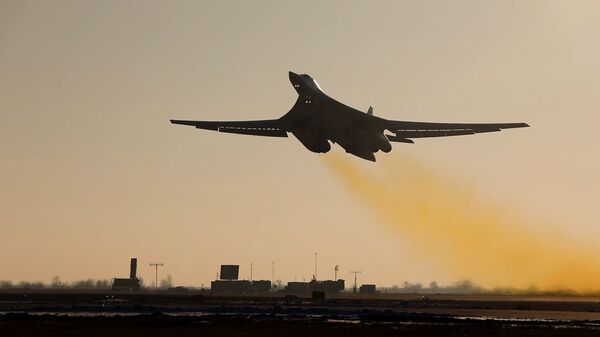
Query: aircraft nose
column 293, row 76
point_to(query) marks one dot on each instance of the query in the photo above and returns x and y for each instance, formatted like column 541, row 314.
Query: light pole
column 156, row 265
column 355, row 272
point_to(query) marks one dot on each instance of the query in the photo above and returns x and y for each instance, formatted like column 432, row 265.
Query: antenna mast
column 315, row 266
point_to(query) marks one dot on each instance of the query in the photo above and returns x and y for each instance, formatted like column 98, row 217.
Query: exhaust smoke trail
column 456, row 229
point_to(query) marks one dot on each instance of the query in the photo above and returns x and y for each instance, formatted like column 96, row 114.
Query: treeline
column 58, row 284
column 461, row 287
column 466, row 287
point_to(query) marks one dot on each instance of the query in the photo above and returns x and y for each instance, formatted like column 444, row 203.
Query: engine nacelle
column 364, row 154
column 374, row 141
column 311, row 141
column 384, row 143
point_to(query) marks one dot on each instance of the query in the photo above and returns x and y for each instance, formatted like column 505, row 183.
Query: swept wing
column 405, row 130
column 267, row 127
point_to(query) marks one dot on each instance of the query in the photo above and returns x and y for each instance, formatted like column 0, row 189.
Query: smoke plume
column 456, row 229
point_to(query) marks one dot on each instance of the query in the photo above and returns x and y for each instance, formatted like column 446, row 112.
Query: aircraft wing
column 268, row 127
column 405, row 130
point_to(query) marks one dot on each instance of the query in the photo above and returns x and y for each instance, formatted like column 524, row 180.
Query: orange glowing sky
column 93, row 173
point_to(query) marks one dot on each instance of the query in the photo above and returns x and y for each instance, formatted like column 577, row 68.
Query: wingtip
column 513, row 125
column 181, row 122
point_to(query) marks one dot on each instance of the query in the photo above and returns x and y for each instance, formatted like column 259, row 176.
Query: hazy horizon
column 94, row 173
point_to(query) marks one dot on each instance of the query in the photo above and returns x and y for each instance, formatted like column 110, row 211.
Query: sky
column 93, row 173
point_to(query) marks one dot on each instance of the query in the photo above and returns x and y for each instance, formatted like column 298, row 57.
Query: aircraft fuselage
column 316, row 119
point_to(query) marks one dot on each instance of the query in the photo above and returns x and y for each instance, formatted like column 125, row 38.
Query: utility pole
column 250, row 271
column 273, row 275
column 156, row 265
column 355, row 272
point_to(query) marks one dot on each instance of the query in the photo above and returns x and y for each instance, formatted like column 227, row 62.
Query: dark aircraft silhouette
column 316, row 119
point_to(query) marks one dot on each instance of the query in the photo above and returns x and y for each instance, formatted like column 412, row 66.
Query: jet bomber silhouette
column 317, row 119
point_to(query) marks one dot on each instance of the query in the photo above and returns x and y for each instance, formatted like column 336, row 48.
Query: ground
column 203, row 314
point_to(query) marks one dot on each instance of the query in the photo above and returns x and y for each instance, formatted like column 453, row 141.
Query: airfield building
column 240, row 286
column 297, row 287
column 326, row 286
column 228, row 282
column 230, row 286
column 367, row 289
column 131, row 283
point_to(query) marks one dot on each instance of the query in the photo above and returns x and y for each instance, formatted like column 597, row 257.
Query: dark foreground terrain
column 107, row 314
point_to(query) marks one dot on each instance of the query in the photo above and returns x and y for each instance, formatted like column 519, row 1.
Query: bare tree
column 83, row 284
column 23, row 285
column 102, row 284
column 5, row 284
column 56, row 282
column 433, row 287
column 167, row 282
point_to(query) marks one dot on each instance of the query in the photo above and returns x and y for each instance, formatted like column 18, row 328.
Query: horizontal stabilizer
column 393, row 138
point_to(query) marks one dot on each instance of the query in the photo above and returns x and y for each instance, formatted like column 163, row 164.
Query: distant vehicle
column 317, row 119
